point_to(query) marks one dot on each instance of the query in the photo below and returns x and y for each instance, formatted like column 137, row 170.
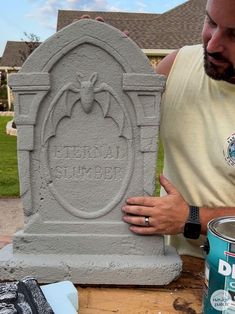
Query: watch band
column 192, row 227
column 193, row 213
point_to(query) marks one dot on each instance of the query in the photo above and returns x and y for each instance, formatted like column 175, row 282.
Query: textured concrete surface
column 91, row 269
column 11, row 220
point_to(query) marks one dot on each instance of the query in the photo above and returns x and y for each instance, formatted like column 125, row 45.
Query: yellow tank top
column 198, row 135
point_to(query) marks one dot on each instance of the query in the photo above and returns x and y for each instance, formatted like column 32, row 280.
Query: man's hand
column 157, row 215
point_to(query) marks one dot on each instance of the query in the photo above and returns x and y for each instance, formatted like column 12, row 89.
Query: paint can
column 219, row 290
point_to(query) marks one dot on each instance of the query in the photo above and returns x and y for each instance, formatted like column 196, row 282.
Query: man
column 198, row 133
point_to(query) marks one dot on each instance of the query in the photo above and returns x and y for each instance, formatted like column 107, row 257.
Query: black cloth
column 23, row 297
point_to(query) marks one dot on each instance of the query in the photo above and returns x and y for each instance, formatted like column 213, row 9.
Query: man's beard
column 213, row 70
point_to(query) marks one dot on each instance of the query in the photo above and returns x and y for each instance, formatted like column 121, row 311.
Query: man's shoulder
column 190, row 55
column 191, row 49
column 164, row 67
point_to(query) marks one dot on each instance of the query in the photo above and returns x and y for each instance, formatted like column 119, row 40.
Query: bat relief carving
column 87, row 93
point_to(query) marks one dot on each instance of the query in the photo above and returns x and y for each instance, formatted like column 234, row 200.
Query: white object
column 62, row 297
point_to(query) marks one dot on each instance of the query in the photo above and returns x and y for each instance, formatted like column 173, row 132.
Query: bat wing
column 113, row 107
column 60, row 107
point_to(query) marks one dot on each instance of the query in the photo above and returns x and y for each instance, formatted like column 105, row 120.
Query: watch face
column 192, row 230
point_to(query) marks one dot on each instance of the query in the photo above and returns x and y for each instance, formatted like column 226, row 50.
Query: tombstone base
column 91, row 269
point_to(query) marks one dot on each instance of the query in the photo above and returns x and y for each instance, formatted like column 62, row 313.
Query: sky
column 39, row 17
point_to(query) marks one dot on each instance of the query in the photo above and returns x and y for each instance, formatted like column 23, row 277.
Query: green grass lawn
column 9, row 182
column 159, row 168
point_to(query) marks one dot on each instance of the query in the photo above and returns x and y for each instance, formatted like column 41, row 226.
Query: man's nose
column 216, row 42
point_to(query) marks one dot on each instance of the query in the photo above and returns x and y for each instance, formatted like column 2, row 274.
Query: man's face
column 219, row 40
column 225, row 73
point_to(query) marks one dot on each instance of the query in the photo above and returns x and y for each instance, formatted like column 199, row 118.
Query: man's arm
column 167, row 214
column 165, row 65
column 207, row 214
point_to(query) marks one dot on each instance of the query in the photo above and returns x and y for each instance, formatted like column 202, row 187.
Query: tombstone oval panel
column 87, row 148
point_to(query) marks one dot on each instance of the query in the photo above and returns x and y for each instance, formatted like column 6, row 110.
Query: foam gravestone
column 87, row 105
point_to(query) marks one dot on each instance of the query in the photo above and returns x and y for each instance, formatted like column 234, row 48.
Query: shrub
column 3, row 92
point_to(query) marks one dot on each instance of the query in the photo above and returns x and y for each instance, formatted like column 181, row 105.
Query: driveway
column 11, row 218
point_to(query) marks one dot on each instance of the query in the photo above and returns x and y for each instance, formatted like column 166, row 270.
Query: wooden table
column 184, row 295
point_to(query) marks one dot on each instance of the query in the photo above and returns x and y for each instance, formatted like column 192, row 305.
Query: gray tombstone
column 87, row 113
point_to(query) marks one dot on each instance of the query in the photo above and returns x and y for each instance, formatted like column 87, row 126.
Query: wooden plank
column 139, row 301
column 182, row 296
column 4, row 240
column 192, row 275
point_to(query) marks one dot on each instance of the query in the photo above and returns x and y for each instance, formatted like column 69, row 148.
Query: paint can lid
column 224, row 227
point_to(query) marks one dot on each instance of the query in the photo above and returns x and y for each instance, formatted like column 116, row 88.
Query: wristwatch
column 192, row 227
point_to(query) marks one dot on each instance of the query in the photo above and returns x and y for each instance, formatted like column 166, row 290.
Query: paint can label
column 219, row 291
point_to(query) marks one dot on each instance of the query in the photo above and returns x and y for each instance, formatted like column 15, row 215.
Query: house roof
column 170, row 30
column 180, row 26
column 12, row 56
column 138, row 25
column 15, row 53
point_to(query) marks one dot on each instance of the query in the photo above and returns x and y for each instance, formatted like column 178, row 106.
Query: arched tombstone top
column 90, row 31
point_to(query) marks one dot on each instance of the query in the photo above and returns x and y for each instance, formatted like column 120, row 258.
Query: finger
column 137, row 220
column 143, row 201
column 85, row 16
column 137, row 210
column 99, row 18
column 143, row 230
column 167, row 185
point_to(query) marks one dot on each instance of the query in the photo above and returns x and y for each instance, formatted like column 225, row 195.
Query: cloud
column 45, row 11
column 168, row 5
column 92, row 5
column 142, row 6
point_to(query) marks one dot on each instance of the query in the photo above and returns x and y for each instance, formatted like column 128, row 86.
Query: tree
column 32, row 42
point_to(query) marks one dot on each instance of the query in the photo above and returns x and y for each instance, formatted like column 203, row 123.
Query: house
column 16, row 52
column 155, row 34
column 14, row 55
